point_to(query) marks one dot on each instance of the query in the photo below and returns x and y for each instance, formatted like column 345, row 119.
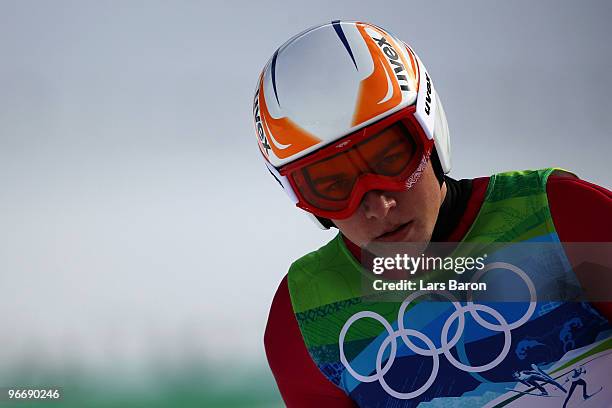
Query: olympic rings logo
column 446, row 345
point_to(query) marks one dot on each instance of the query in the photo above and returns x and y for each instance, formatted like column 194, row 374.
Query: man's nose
column 377, row 204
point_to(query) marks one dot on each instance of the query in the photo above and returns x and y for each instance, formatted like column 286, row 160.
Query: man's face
column 405, row 216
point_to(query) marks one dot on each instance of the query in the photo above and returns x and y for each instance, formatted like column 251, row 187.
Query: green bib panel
column 326, row 289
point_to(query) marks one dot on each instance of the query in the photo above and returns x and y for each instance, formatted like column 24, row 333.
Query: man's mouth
column 396, row 233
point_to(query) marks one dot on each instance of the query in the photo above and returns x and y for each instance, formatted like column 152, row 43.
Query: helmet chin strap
column 437, row 166
column 326, row 223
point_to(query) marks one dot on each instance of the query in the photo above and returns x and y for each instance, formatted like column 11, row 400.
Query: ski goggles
column 389, row 155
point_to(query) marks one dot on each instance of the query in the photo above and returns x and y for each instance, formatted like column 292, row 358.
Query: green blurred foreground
column 174, row 386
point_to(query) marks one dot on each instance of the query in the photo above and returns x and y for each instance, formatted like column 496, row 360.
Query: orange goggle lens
column 387, row 153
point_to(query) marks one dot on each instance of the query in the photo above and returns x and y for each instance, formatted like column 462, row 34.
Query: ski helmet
column 324, row 91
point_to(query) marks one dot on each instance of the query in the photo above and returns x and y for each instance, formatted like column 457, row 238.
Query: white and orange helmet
column 328, row 89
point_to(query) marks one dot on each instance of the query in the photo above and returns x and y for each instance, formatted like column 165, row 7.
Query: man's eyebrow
column 331, row 177
column 382, row 153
